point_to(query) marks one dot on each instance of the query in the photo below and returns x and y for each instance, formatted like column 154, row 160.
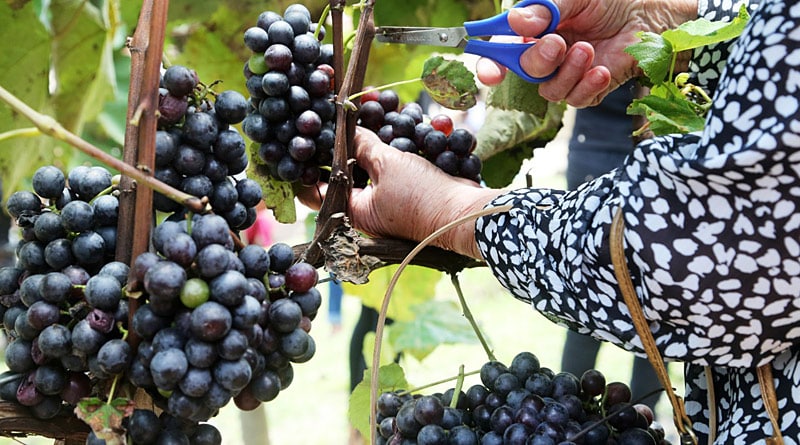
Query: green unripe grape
column 257, row 64
column 194, row 293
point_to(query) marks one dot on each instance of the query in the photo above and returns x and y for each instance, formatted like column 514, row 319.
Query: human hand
column 408, row 197
column 588, row 46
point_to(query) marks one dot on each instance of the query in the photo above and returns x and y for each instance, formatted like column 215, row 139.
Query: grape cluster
column 199, row 152
column 407, row 129
column 217, row 325
column 62, row 301
column 523, row 404
column 290, row 81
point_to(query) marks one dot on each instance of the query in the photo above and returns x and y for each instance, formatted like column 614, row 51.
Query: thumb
column 530, row 21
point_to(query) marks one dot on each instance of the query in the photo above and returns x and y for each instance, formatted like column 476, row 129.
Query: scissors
column 506, row 54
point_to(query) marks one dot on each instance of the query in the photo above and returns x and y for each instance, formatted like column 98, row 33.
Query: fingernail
column 549, row 49
column 527, row 13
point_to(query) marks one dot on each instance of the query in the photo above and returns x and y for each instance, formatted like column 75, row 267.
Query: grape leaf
column 449, row 83
column 278, row 195
column 82, row 60
column 667, row 111
column 436, row 323
column 390, row 378
column 415, row 286
column 654, row 55
column 703, row 32
column 508, row 137
column 515, row 93
column 24, row 68
column 105, row 419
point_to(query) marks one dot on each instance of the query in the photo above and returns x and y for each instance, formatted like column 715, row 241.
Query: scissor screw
column 443, row 37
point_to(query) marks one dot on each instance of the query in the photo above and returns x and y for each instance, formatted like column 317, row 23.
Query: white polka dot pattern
column 712, row 234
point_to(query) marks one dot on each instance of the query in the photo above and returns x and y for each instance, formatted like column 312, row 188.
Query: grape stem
column 459, row 385
column 468, row 314
column 458, row 378
column 20, row 132
column 50, row 127
column 383, row 87
column 376, row 351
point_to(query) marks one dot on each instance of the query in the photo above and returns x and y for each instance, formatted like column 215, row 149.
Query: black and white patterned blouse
column 712, row 235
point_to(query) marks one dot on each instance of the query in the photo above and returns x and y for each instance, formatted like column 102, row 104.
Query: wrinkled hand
column 588, row 46
column 408, row 197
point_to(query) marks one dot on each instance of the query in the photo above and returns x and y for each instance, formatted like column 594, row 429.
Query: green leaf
column 105, row 419
column 82, row 60
column 436, row 323
column 24, row 70
column 390, row 378
column 514, row 93
column 278, row 195
column 450, row 83
column 416, row 285
column 703, row 32
column 654, row 54
column 668, row 111
column 508, row 137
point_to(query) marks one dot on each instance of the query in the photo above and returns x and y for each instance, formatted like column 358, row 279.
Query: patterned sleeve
column 712, row 225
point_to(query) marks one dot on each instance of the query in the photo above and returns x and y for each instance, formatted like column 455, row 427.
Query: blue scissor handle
column 507, row 54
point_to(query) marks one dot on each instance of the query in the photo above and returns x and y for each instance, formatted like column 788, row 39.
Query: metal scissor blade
column 451, row 37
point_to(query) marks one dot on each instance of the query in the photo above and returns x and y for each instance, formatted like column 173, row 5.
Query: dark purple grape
column 165, row 280
column 386, row 134
column 249, row 191
column 206, row 434
column 406, row 422
column 55, row 341
column 77, row 386
column 31, row 256
column 414, row 110
column 448, row 162
column 281, row 256
column 275, row 83
column 280, row 33
column 55, row 287
column 275, row 109
column 27, row 393
column 256, row 39
column 232, row 375
column 223, row 197
column 40, row 315
column 324, row 107
column 114, row 356
column 298, row 21
column 565, row 383
column 318, row 83
column 272, row 152
column 168, row 368
column 143, row 426
column 171, row 109
column 301, row 148
column 166, row 148
column 434, row 144
column 49, row 182
column 179, row 80
column 428, row 410
column 389, row 100
column 420, row 131
column 211, row 229
column 278, row 56
column 371, row 115
column 284, row 315
column 289, row 170
column 77, row 216
column 210, row 321
column 300, row 277
column 200, row 130
column 23, row 203
column 306, row 48
column 231, row 107
column 404, row 144
column 190, row 160
column 103, row 292
column 308, row 123
column 229, row 146
column 470, row 167
column 461, row 142
column 593, row 382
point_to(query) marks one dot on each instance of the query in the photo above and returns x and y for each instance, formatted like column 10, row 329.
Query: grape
column 40, row 315
column 229, row 146
column 170, row 108
column 275, row 83
column 281, row 32
column 278, row 56
column 168, row 368
column 103, row 292
column 306, row 48
column 281, row 256
column 114, row 356
column 443, row 123
column 300, row 277
column 256, row 39
column 55, row 341
column 49, row 182
column 434, row 143
column 210, row 321
column 231, row 107
column 301, row 148
column 23, row 203
column 232, row 375
column 55, row 287
column 448, row 162
column 179, row 80
column 77, row 216
column 461, row 142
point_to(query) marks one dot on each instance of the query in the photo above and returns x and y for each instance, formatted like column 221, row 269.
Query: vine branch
column 50, row 127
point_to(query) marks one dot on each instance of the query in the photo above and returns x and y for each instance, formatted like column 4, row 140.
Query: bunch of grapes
column 523, row 404
column 217, row 325
column 199, row 152
column 407, row 129
column 63, row 300
column 290, row 81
